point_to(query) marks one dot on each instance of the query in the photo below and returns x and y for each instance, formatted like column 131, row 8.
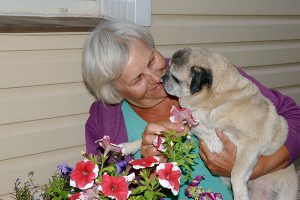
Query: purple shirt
column 108, row 120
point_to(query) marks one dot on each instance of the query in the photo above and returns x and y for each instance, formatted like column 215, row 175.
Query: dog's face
column 193, row 69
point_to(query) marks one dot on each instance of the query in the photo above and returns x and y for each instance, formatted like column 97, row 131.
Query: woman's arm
column 287, row 108
column 104, row 120
column 222, row 163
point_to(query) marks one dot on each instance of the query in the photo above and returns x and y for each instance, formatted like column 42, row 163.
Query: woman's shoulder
column 98, row 107
column 107, row 119
column 104, row 115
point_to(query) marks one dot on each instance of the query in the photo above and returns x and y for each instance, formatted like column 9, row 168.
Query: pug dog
column 219, row 97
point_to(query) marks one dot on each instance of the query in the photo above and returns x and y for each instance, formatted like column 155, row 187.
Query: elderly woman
column 123, row 69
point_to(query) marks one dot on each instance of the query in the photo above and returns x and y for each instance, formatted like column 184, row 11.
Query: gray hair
column 105, row 53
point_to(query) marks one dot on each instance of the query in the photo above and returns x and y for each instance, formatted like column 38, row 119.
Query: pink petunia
column 182, row 115
column 115, row 187
column 76, row 196
column 169, row 176
column 144, row 162
column 108, row 146
column 84, row 174
column 158, row 142
column 91, row 193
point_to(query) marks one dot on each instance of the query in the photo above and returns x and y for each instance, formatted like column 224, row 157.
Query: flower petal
column 114, row 187
column 169, row 176
column 144, row 162
column 182, row 115
column 130, row 177
column 84, row 174
column 108, row 146
column 158, row 142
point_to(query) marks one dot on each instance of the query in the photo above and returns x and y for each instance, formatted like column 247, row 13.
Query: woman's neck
column 160, row 112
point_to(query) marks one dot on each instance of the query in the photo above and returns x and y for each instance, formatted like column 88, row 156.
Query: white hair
column 105, row 53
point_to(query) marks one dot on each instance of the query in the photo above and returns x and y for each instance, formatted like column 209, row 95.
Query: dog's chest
column 205, row 130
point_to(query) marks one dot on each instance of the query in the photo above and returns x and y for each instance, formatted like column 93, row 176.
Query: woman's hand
column 219, row 163
column 222, row 163
column 154, row 129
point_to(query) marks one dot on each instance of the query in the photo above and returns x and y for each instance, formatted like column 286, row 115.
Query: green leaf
column 160, row 194
column 193, row 156
column 190, row 161
column 153, row 182
column 109, row 169
column 149, row 194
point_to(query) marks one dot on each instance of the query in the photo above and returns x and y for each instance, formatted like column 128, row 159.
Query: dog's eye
column 175, row 79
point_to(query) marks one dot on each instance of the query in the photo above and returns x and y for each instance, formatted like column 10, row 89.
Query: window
column 138, row 11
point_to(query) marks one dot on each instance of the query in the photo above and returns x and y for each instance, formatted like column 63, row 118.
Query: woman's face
column 139, row 82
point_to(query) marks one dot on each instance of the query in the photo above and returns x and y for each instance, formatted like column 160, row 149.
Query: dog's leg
column 131, row 147
column 246, row 159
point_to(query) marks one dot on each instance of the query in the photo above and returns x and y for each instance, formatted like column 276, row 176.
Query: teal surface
column 135, row 126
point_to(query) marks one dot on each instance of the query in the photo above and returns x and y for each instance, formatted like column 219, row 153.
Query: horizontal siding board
column 29, row 68
column 33, row 103
column 187, row 30
column 39, row 41
column 292, row 91
column 61, row 66
column 248, row 54
column 276, row 76
column 6, row 197
column 43, row 165
column 228, row 7
column 51, row 134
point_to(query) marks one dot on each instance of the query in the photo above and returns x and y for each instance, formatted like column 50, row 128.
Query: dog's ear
column 200, row 77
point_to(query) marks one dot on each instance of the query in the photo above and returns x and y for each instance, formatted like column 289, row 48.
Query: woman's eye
column 151, row 62
column 139, row 79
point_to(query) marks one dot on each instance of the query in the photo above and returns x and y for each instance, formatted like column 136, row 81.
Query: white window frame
column 138, row 11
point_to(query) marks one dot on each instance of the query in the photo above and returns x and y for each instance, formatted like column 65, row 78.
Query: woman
column 123, row 70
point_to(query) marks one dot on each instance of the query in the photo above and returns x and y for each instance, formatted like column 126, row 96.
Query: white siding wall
column 44, row 103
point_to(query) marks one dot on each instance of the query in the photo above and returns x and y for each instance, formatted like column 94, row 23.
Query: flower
column 194, row 190
column 158, row 142
column 91, row 193
column 210, row 196
column 108, row 146
column 76, row 196
column 196, row 181
column 121, row 166
column 144, row 162
column 169, row 176
column 130, row 177
column 96, row 177
column 182, row 115
column 115, row 187
column 84, row 174
column 192, row 187
column 64, row 169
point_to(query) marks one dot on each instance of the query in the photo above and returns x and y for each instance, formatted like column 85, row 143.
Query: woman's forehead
column 139, row 56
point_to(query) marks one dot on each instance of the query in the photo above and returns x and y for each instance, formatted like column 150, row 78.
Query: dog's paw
column 130, row 147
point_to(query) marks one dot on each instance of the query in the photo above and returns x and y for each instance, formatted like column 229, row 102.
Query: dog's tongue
column 182, row 115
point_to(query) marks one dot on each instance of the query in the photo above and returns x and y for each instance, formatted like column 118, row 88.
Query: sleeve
column 287, row 108
column 91, row 130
